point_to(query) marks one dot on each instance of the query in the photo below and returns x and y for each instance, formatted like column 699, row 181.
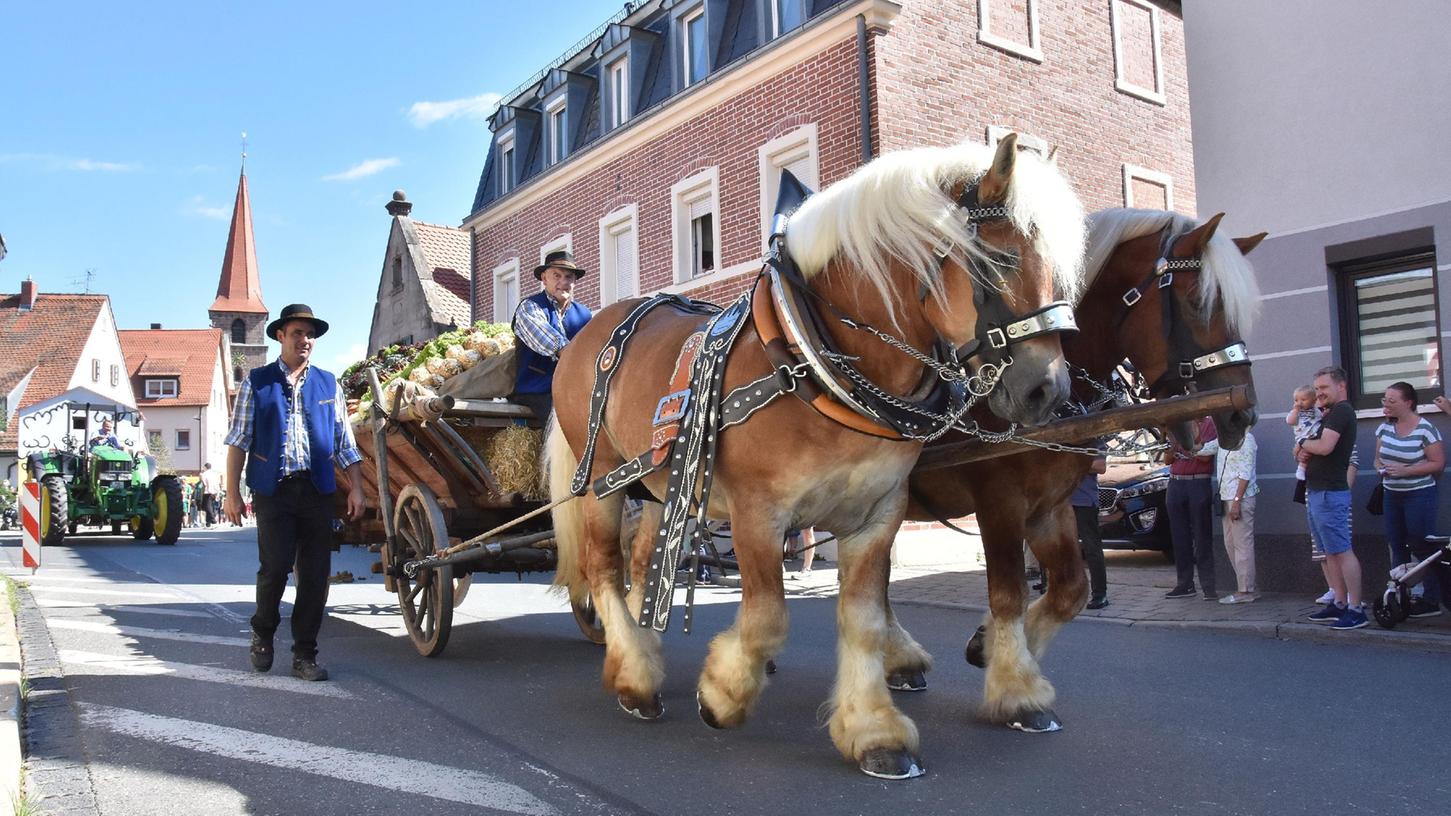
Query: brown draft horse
column 1026, row 496
column 865, row 245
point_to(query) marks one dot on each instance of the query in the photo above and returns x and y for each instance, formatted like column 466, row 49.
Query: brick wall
column 939, row 85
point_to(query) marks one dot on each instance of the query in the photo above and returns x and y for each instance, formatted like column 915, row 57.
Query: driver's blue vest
column 536, row 372
column 269, row 407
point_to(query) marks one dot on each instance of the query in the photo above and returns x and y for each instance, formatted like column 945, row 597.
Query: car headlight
column 1144, row 520
column 1157, row 485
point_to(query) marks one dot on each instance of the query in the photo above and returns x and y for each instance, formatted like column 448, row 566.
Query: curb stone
column 58, row 777
column 11, row 756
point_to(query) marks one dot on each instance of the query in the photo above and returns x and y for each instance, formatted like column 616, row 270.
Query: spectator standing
column 196, row 502
column 1090, row 538
column 211, row 492
column 1409, row 456
column 1190, row 504
column 1238, row 489
column 1327, row 459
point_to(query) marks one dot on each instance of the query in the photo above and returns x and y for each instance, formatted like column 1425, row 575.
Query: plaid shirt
column 296, row 445
column 532, row 327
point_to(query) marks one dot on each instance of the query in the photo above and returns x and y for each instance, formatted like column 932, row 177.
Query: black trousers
column 1090, row 543
column 294, row 532
column 1190, row 504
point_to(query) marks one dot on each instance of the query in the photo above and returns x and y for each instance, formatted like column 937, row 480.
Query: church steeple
column 238, row 310
column 240, row 289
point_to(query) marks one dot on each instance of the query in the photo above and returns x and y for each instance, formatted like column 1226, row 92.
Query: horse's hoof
column 891, row 763
column 907, row 680
column 706, row 716
column 770, row 667
column 1035, row 721
column 976, row 653
column 651, row 709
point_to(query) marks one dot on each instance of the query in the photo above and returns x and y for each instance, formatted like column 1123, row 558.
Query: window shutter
column 801, row 169
column 625, row 263
column 701, row 206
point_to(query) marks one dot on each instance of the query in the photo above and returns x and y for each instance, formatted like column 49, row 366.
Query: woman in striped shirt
column 1409, row 455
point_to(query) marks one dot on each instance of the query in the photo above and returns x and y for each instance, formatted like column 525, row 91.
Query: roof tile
column 190, row 354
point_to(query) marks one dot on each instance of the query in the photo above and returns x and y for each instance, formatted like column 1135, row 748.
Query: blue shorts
column 1329, row 513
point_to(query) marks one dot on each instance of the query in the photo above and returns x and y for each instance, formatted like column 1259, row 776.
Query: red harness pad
column 673, row 405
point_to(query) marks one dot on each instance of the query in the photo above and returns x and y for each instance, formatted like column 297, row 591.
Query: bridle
column 1187, row 360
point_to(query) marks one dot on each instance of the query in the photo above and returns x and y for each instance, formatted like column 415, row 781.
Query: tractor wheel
column 54, row 511
column 141, row 527
column 166, row 510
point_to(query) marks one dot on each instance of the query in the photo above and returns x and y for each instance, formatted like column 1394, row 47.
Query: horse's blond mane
column 897, row 207
column 1228, row 278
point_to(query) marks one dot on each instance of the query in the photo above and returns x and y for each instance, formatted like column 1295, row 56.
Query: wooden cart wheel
column 589, row 622
column 426, row 600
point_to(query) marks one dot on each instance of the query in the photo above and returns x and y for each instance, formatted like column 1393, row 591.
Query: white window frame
column 776, row 16
column 1031, row 50
column 1026, row 141
column 1155, row 94
column 619, row 106
column 1133, row 171
column 179, row 445
column 506, row 174
column 95, row 369
column 115, row 375
column 158, row 388
column 685, row 46
column 556, row 151
column 776, row 154
column 564, row 241
column 683, row 194
column 502, row 275
column 613, row 228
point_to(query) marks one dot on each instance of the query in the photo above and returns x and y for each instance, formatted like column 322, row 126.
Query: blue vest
column 536, row 372
column 269, row 406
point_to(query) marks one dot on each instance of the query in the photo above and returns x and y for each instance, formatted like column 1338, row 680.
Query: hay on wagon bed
column 513, row 454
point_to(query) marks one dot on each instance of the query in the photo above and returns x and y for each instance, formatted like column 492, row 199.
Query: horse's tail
column 569, row 526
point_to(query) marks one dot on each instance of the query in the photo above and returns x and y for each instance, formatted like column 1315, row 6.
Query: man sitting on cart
column 291, row 427
column 543, row 324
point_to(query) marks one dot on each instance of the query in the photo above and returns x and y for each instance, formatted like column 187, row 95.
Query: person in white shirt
column 211, row 490
column 1238, row 488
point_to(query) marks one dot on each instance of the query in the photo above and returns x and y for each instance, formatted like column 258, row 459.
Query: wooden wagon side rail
column 1079, row 429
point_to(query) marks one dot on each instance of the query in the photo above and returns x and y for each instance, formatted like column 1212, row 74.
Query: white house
column 181, row 379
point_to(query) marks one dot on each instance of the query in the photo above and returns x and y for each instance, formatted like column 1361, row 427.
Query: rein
column 1187, row 359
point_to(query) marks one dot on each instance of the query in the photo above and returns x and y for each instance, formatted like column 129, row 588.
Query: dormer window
column 161, row 388
column 619, row 72
column 695, row 62
column 506, row 163
column 555, row 134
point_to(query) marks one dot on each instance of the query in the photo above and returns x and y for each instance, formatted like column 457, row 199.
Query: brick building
column 652, row 148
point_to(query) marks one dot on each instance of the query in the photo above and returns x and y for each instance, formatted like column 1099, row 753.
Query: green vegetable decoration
column 430, row 364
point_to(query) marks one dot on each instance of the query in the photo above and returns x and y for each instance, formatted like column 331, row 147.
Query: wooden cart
column 429, row 488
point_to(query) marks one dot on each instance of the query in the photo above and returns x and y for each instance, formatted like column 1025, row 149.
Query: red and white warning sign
column 30, row 524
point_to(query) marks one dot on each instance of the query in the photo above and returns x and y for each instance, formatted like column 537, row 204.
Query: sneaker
column 1180, row 592
column 261, row 653
column 1350, row 619
column 1097, row 603
column 1422, row 608
column 308, row 670
column 1330, row 613
column 1239, row 598
column 1328, row 597
column 1211, row 596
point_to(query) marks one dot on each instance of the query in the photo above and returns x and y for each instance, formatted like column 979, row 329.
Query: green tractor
column 106, row 486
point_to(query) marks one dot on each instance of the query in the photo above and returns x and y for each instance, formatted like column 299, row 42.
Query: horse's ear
column 1247, row 245
column 994, row 185
column 1200, row 235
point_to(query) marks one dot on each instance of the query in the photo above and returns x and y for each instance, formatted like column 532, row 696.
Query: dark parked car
column 1131, row 512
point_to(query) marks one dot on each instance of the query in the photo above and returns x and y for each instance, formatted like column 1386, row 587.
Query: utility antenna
column 244, row 151
column 85, row 279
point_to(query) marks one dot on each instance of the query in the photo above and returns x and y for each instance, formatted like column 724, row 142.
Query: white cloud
column 52, row 162
column 198, row 206
column 363, row 169
column 424, row 114
column 348, row 356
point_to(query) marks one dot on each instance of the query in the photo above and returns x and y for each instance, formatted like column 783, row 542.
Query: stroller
column 1393, row 606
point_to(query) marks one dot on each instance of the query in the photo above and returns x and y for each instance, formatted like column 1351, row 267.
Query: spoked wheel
column 589, row 622
column 426, row 599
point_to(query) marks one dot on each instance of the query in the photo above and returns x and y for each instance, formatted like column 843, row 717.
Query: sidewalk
column 937, row 570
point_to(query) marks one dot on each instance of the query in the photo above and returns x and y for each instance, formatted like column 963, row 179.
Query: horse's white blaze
column 392, row 773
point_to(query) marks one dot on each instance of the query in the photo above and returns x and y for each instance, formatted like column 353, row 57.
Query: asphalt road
column 512, row 718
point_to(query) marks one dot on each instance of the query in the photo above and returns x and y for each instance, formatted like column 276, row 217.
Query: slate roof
column 49, row 338
column 446, row 280
column 189, row 354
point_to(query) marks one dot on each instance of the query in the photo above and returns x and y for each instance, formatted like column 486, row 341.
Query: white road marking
column 66, row 603
column 389, row 772
column 144, row 664
column 124, row 593
column 105, row 628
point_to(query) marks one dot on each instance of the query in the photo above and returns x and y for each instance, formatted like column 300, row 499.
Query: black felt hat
column 297, row 311
column 562, row 259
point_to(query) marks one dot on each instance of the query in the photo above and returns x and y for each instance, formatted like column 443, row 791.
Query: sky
column 120, row 141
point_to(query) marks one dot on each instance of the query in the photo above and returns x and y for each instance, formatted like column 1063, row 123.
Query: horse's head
column 1001, row 291
column 1176, row 302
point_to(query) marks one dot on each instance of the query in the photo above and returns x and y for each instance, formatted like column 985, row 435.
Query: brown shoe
column 308, row 670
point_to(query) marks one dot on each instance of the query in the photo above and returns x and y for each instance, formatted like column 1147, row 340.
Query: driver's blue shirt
column 105, row 439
